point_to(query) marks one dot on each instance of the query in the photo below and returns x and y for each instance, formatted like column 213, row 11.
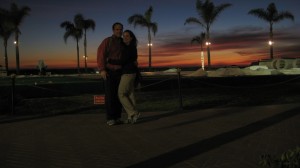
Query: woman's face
column 127, row 38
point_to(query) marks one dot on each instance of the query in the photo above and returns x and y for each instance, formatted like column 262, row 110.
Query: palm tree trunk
column 208, row 57
column 202, row 55
column 17, row 54
column 149, row 45
column 272, row 42
column 78, row 66
column 85, row 52
column 6, row 58
column 271, row 51
column 208, row 49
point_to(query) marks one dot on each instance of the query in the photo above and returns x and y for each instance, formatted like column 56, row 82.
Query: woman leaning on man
column 130, row 73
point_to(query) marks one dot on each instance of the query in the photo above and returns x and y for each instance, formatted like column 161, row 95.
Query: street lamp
column 150, row 46
column 271, row 44
column 202, row 54
column 16, row 43
column 85, row 63
column 207, row 43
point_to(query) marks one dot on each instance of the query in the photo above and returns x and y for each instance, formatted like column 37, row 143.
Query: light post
column 208, row 55
column 271, row 43
column 150, row 46
column 85, row 63
column 16, row 43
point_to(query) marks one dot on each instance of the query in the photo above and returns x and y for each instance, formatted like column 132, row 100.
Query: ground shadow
column 178, row 155
column 18, row 118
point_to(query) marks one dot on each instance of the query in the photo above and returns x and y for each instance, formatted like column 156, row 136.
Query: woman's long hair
column 134, row 40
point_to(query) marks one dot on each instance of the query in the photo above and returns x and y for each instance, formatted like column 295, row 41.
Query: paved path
column 232, row 137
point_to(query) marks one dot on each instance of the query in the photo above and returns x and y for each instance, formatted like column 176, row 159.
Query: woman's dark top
column 128, row 59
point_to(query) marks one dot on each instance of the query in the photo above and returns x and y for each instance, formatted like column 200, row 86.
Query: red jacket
column 110, row 48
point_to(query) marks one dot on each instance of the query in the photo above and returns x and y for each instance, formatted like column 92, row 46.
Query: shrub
column 289, row 159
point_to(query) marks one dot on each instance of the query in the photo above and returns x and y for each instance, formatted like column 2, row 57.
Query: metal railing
column 175, row 80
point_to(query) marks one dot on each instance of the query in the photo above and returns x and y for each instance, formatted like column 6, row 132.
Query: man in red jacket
column 111, row 49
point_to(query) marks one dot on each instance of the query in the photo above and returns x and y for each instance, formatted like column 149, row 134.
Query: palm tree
column 208, row 13
column 18, row 15
column 272, row 16
column 85, row 24
column 200, row 40
column 145, row 21
column 6, row 30
column 73, row 30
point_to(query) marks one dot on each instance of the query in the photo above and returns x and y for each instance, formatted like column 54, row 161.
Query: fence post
column 179, row 88
column 13, row 77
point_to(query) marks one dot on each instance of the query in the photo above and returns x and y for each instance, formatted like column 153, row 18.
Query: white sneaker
column 111, row 122
column 135, row 118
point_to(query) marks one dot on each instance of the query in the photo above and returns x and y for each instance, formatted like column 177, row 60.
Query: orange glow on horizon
column 167, row 56
column 218, row 58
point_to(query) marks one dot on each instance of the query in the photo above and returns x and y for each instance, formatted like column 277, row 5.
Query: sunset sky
column 237, row 38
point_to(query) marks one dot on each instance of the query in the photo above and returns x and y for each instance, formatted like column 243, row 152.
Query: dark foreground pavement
column 233, row 137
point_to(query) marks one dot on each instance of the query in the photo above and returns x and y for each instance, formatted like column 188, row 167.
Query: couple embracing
column 117, row 62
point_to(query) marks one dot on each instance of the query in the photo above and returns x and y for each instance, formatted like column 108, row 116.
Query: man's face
column 118, row 30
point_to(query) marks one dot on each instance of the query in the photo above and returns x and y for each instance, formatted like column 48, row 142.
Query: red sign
column 99, row 99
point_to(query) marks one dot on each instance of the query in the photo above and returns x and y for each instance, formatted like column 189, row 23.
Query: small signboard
column 99, row 99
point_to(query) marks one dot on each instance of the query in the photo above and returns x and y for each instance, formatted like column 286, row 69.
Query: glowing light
column 207, row 43
column 15, row 42
column 202, row 60
column 150, row 44
column 271, row 42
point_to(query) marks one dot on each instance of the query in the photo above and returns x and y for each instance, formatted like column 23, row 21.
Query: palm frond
column 193, row 20
column 148, row 14
column 145, row 21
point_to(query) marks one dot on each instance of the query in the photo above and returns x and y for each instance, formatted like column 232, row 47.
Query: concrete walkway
column 229, row 137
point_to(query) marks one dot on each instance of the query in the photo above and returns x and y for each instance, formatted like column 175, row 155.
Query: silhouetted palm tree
column 208, row 13
column 6, row 30
column 145, row 21
column 272, row 16
column 200, row 40
column 18, row 15
column 73, row 30
column 85, row 24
